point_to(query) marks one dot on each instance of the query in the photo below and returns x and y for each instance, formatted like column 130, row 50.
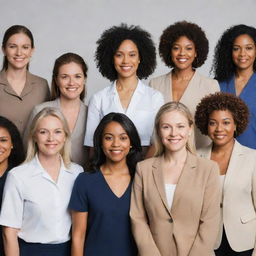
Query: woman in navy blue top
column 11, row 155
column 100, row 200
column 235, row 69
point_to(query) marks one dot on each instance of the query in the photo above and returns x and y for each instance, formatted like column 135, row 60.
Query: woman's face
column 18, row 51
column 5, row 146
column 127, row 59
column 221, row 127
column 115, row 142
column 244, row 52
column 70, row 80
column 183, row 53
column 49, row 136
column 174, row 131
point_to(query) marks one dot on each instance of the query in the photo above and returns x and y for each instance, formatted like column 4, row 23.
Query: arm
column 10, row 237
column 140, row 228
column 79, row 225
column 210, row 216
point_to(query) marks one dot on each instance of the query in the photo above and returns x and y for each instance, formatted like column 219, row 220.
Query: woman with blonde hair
column 34, row 212
column 176, row 195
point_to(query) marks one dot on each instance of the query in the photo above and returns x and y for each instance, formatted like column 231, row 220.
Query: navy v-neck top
column 108, row 225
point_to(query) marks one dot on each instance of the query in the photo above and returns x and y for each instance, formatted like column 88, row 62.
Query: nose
column 173, row 131
column 71, row 81
column 50, row 136
column 115, row 142
column 242, row 52
column 18, row 51
column 125, row 58
column 219, row 127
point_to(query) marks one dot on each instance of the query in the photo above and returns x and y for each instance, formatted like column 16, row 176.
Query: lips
column 182, row 60
column 126, row 68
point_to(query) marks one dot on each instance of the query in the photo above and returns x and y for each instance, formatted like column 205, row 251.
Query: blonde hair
column 169, row 107
column 32, row 146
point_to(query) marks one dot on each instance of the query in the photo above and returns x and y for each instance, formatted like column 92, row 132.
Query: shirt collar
column 39, row 169
column 139, row 87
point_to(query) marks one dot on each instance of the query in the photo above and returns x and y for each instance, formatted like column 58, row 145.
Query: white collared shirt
column 37, row 205
column 144, row 104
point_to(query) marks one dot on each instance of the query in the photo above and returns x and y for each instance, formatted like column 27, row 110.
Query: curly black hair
column 222, row 101
column 17, row 155
column 111, row 39
column 223, row 66
column 190, row 30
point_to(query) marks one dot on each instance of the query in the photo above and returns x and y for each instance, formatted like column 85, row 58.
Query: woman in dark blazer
column 176, row 195
column 20, row 90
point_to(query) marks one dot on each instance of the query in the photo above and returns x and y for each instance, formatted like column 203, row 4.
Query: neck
column 48, row 162
column 3, row 167
column 68, row 104
column 244, row 73
column 224, row 149
column 127, row 83
column 16, row 74
column 177, row 156
column 183, row 74
column 111, row 167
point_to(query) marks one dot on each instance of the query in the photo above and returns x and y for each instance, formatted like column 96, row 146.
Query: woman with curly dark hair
column 11, row 155
column 184, row 47
column 234, row 67
column 125, row 54
column 100, row 200
column 222, row 117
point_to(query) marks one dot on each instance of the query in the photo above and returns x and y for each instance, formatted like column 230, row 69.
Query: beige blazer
column 17, row 108
column 190, row 227
column 78, row 150
column 239, row 198
column 198, row 87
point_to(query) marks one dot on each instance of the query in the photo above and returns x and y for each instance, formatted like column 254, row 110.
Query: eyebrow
column 108, row 133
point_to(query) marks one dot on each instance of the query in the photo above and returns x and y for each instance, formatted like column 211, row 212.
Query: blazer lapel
column 184, row 179
column 234, row 163
column 159, row 180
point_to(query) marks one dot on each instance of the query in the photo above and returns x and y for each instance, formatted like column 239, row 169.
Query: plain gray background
column 61, row 26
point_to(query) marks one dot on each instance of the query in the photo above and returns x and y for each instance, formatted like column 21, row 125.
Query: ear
column 32, row 52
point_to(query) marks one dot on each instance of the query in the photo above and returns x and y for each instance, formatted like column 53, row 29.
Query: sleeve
column 47, row 90
column 78, row 200
column 12, row 205
column 215, row 86
column 93, row 119
column 210, row 216
column 140, row 228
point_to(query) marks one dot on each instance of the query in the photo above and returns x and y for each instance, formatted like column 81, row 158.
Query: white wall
column 61, row 26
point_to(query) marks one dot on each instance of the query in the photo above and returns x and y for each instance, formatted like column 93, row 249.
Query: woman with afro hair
column 223, row 116
column 234, row 67
column 124, row 55
column 184, row 47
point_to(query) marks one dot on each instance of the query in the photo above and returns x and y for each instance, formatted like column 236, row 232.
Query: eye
column 118, row 54
column 211, row 123
column 3, row 139
column 124, row 137
column 26, row 47
column 249, row 48
column 59, row 131
column 42, row 131
column 78, row 76
column 165, row 126
column 175, row 48
column 107, row 137
column 226, row 122
column 235, row 48
column 181, row 126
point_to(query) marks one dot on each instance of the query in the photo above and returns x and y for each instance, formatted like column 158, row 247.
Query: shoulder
column 46, row 104
column 209, row 83
column 87, row 179
column 22, row 171
column 76, row 168
column 37, row 79
column 159, row 78
column 143, row 166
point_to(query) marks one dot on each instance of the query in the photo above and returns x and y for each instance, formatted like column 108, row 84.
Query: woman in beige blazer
column 184, row 47
column 68, row 92
column 20, row 90
column 176, row 195
column 223, row 117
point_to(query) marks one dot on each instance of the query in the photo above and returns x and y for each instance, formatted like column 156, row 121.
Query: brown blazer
column 239, row 198
column 190, row 227
column 198, row 87
column 17, row 108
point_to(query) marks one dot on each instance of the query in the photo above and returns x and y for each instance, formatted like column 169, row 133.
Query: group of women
column 179, row 202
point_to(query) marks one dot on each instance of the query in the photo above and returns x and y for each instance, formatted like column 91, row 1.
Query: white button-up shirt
column 37, row 205
column 144, row 104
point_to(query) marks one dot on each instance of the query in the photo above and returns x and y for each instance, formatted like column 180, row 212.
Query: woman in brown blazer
column 224, row 116
column 175, row 203
column 20, row 90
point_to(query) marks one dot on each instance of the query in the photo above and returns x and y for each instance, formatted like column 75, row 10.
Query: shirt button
column 171, row 220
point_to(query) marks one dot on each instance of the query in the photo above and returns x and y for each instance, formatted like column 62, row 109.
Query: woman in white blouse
column 125, row 54
column 34, row 210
